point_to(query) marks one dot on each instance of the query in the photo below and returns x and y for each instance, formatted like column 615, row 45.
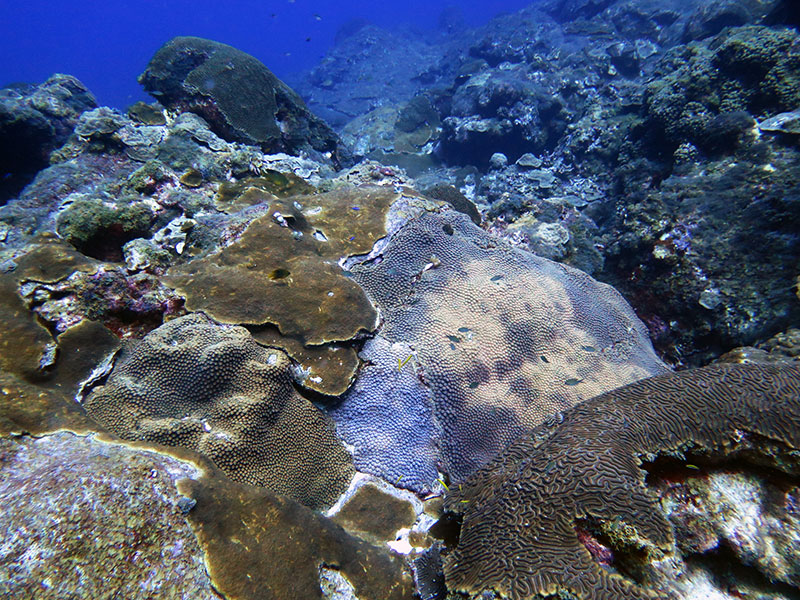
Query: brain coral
column 196, row 385
column 241, row 99
column 502, row 338
column 521, row 512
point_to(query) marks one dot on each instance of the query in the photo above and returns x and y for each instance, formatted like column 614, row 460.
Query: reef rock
column 34, row 121
column 240, row 98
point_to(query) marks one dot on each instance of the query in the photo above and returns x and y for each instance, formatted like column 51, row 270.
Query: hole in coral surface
column 278, row 274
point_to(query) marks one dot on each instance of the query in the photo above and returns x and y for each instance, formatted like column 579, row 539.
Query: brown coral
column 24, row 342
column 259, row 545
column 283, row 271
column 522, row 511
column 195, row 385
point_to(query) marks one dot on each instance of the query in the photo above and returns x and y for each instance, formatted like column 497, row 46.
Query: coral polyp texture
column 523, row 512
column 196, row 385
column 502, row 338
column 283, row 271
column 240, row 98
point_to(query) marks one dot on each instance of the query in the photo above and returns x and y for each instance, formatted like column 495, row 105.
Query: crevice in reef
column 729, row 573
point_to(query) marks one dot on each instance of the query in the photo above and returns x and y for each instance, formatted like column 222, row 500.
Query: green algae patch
column 99, row 227
column 284, row 271
column 192, row 178
column 147, row 114
column 262, row 546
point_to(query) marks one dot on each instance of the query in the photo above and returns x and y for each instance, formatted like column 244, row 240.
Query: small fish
column 496, row 278
column 695, row 467
column 463, row 329
column 473, row 385
column 572, row 381
column 398, row 479
column 444, row 485
column 317, row 17
column 404, row 362
column 589, row 348
column 355, row 208
column 454, row 338
column 452, row 346
column 308, row 39
column 544, row 359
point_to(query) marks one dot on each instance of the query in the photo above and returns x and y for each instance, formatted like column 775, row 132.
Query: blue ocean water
column 107, row 44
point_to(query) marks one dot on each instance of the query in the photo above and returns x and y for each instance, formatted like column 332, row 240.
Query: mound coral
column 523, row 512
column 503, row 339
column 241, row 99
column 195, row 385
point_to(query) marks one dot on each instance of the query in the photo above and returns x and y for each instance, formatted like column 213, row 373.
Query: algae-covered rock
column 99, row 227
column 240, row 98
column 82, row 517
column 34, row 121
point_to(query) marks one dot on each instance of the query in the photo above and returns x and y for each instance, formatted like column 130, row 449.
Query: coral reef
column 530, row 517
column 195, row 385
column 282, row 271
column 209, row 537
column 240, row 98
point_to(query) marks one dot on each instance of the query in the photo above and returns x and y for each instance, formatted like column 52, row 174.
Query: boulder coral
column 196, row 385
column 503, row 339
column 241, row 99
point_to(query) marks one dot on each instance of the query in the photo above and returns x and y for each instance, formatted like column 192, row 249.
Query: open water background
column 106, row 44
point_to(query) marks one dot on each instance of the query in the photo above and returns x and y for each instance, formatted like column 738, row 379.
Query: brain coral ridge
column 521, row 511
column 196, row 385
column 502, row 338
